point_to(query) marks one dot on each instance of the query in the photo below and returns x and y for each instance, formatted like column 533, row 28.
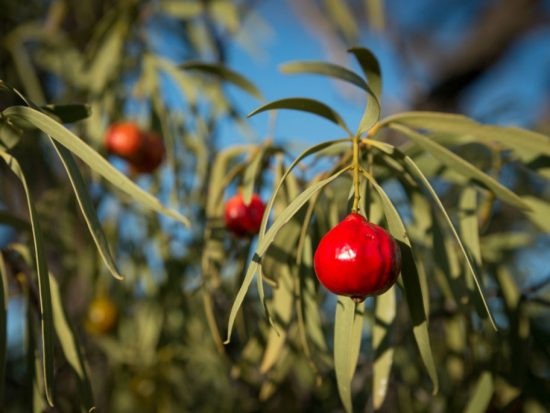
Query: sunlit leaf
column 225, row 74
column 482, row 395
column 86, row 206
column 310, row 151
column 411, row 282
column 384, row 316
column 304, row 105
column 326, row 69
column 347, row 332
column 371, row 68
column 343, row 16
column 415, row 171
column 539, row 212
column 464, row 167
column 263, row 244
column 282, row 305
column 91, row 158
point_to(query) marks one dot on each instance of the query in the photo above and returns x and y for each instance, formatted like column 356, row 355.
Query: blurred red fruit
column 124, row 139
column 244, row 220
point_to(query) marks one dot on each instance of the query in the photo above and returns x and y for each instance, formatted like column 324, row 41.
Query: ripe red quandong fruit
column 244, row 220
column 357, row 258
column 151, row 154
column 124, row 139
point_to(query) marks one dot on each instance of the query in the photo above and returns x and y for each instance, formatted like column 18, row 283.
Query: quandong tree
column 415, row 198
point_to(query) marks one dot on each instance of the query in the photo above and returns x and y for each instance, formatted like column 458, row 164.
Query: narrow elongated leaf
column 181, row 10
column 70, row 346
column 67, row 113
column 454, row 161
column 384, row 316
column 539, row 212
column 415, row 171
column 3, row 324
column 411, row 282
column 527, row 145
column 469, row 226
column 43, row 281
column 343, row 16
column 371, row 68
column 310, row 151
column 326, row 69
column 482, row 394
column 183, row 80
column 345, row 335
column 264, row 243
column 91, row 158
column 87, row 208
column 304, row 105
column 225, row 74
column 251, row 173
column 283, row 297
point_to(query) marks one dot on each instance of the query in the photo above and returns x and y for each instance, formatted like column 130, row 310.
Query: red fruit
column 124, row 139
column 357, row 258
column 243, row 219
column 151, row 155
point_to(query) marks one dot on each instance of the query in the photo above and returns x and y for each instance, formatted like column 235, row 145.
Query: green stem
column 356, row 176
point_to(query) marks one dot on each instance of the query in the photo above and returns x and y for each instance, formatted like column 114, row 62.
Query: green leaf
column 347, row 341
column 108, row 56
column 343, row 16
column 326, row 69
column 181, row 10
column 183, row 80
column 70, row 346
column 384, row 316
column 310, row 151
column 304, row 105
column 9, row 135
column 411, row 282
column 251, row 173
column 265, row 242
column 482, row 394
column 371, row 68
column 43, row 281
column 469, row 226
column 3, row 324
column 225, row 74
column 87, row 207
column 91, row 158
column 539, row 212
column 527, row 145
column 67, row 113
column 415, row 171
column 283, row 297
column 454, row 161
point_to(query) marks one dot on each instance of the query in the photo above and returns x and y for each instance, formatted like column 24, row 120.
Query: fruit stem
column 356, row 176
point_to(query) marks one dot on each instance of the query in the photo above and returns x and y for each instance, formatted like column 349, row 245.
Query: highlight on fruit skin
column 357, row 259
column 244, row 220
column 102, row 316
column 124, row 139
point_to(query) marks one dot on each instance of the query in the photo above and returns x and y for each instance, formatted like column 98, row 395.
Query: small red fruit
column 357, row 258
column 241, row 219
column 151, row 155
column 124, row 139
